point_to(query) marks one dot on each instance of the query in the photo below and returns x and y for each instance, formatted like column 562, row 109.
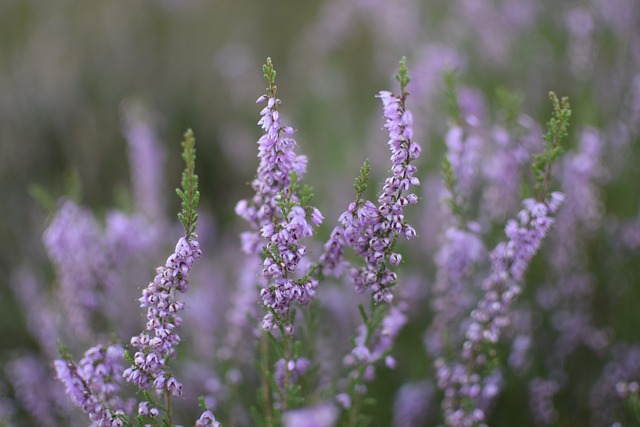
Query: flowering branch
column 149, row 364
column 462, row 382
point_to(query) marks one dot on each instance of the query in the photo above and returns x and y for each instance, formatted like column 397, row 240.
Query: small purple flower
column 289, row 371
column 207, row 420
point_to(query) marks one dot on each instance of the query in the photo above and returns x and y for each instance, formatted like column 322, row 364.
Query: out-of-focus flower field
column 95, row 98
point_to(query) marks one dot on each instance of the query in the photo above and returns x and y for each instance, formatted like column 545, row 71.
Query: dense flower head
column 158, row 343
column 277, row 161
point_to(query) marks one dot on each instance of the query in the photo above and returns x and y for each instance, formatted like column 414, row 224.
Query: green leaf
column 557, row 129
column 403, row 75
column 189, row 194
column 450, row 78
column 201, row 403
column 269, row 74
column 363, row 314
column 65, row 354
column 361, row 181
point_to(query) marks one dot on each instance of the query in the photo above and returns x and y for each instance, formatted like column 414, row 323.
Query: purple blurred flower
column 414, row 404
column 207, row 420
column 147, row 158
column 321, row 415
column 35, row 390
column 94, row 383
column 451, row 298
column 604, row 397
column 462, row 380
column 541, row 405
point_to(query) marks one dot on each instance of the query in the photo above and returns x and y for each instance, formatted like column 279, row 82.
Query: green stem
column 547, row 175
column 167, row 395
column 266, row 394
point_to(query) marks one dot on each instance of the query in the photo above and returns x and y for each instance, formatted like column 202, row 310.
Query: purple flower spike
column 93, row 384
column 509, row 261
column 159, row 341
column 277, row 219
column 372, row 230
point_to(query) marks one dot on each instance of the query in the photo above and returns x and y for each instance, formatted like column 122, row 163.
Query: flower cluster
column 370, row 349
column 157, row 345
column 372, row 231
column 451, row 298
column 273, row 180
column 510, row 259
column 82, row 268
column 93, row 384
column 278, row 215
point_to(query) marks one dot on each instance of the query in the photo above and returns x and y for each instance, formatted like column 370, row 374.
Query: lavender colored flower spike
column 278, row 215
column 491, row 316
column 451, row 300
column 82, row 268
column 94, row 383
column 34, row 389
column 370, row 229
column 157, row 344
column 147, row 157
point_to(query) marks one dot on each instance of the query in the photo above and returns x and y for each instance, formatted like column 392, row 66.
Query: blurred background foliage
column 68, row 67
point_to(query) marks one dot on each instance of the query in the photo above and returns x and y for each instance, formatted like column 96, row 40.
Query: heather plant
column 282, row 220
column 490, row 300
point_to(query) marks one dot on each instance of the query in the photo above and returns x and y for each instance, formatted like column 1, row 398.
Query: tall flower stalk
column 279, row 216
column 156, row 346
column 372, row 231
column 467, row 382
column 95, row 383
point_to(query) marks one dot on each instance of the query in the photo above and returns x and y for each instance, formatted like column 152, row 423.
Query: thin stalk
column 266, row 395
column 167, row 395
